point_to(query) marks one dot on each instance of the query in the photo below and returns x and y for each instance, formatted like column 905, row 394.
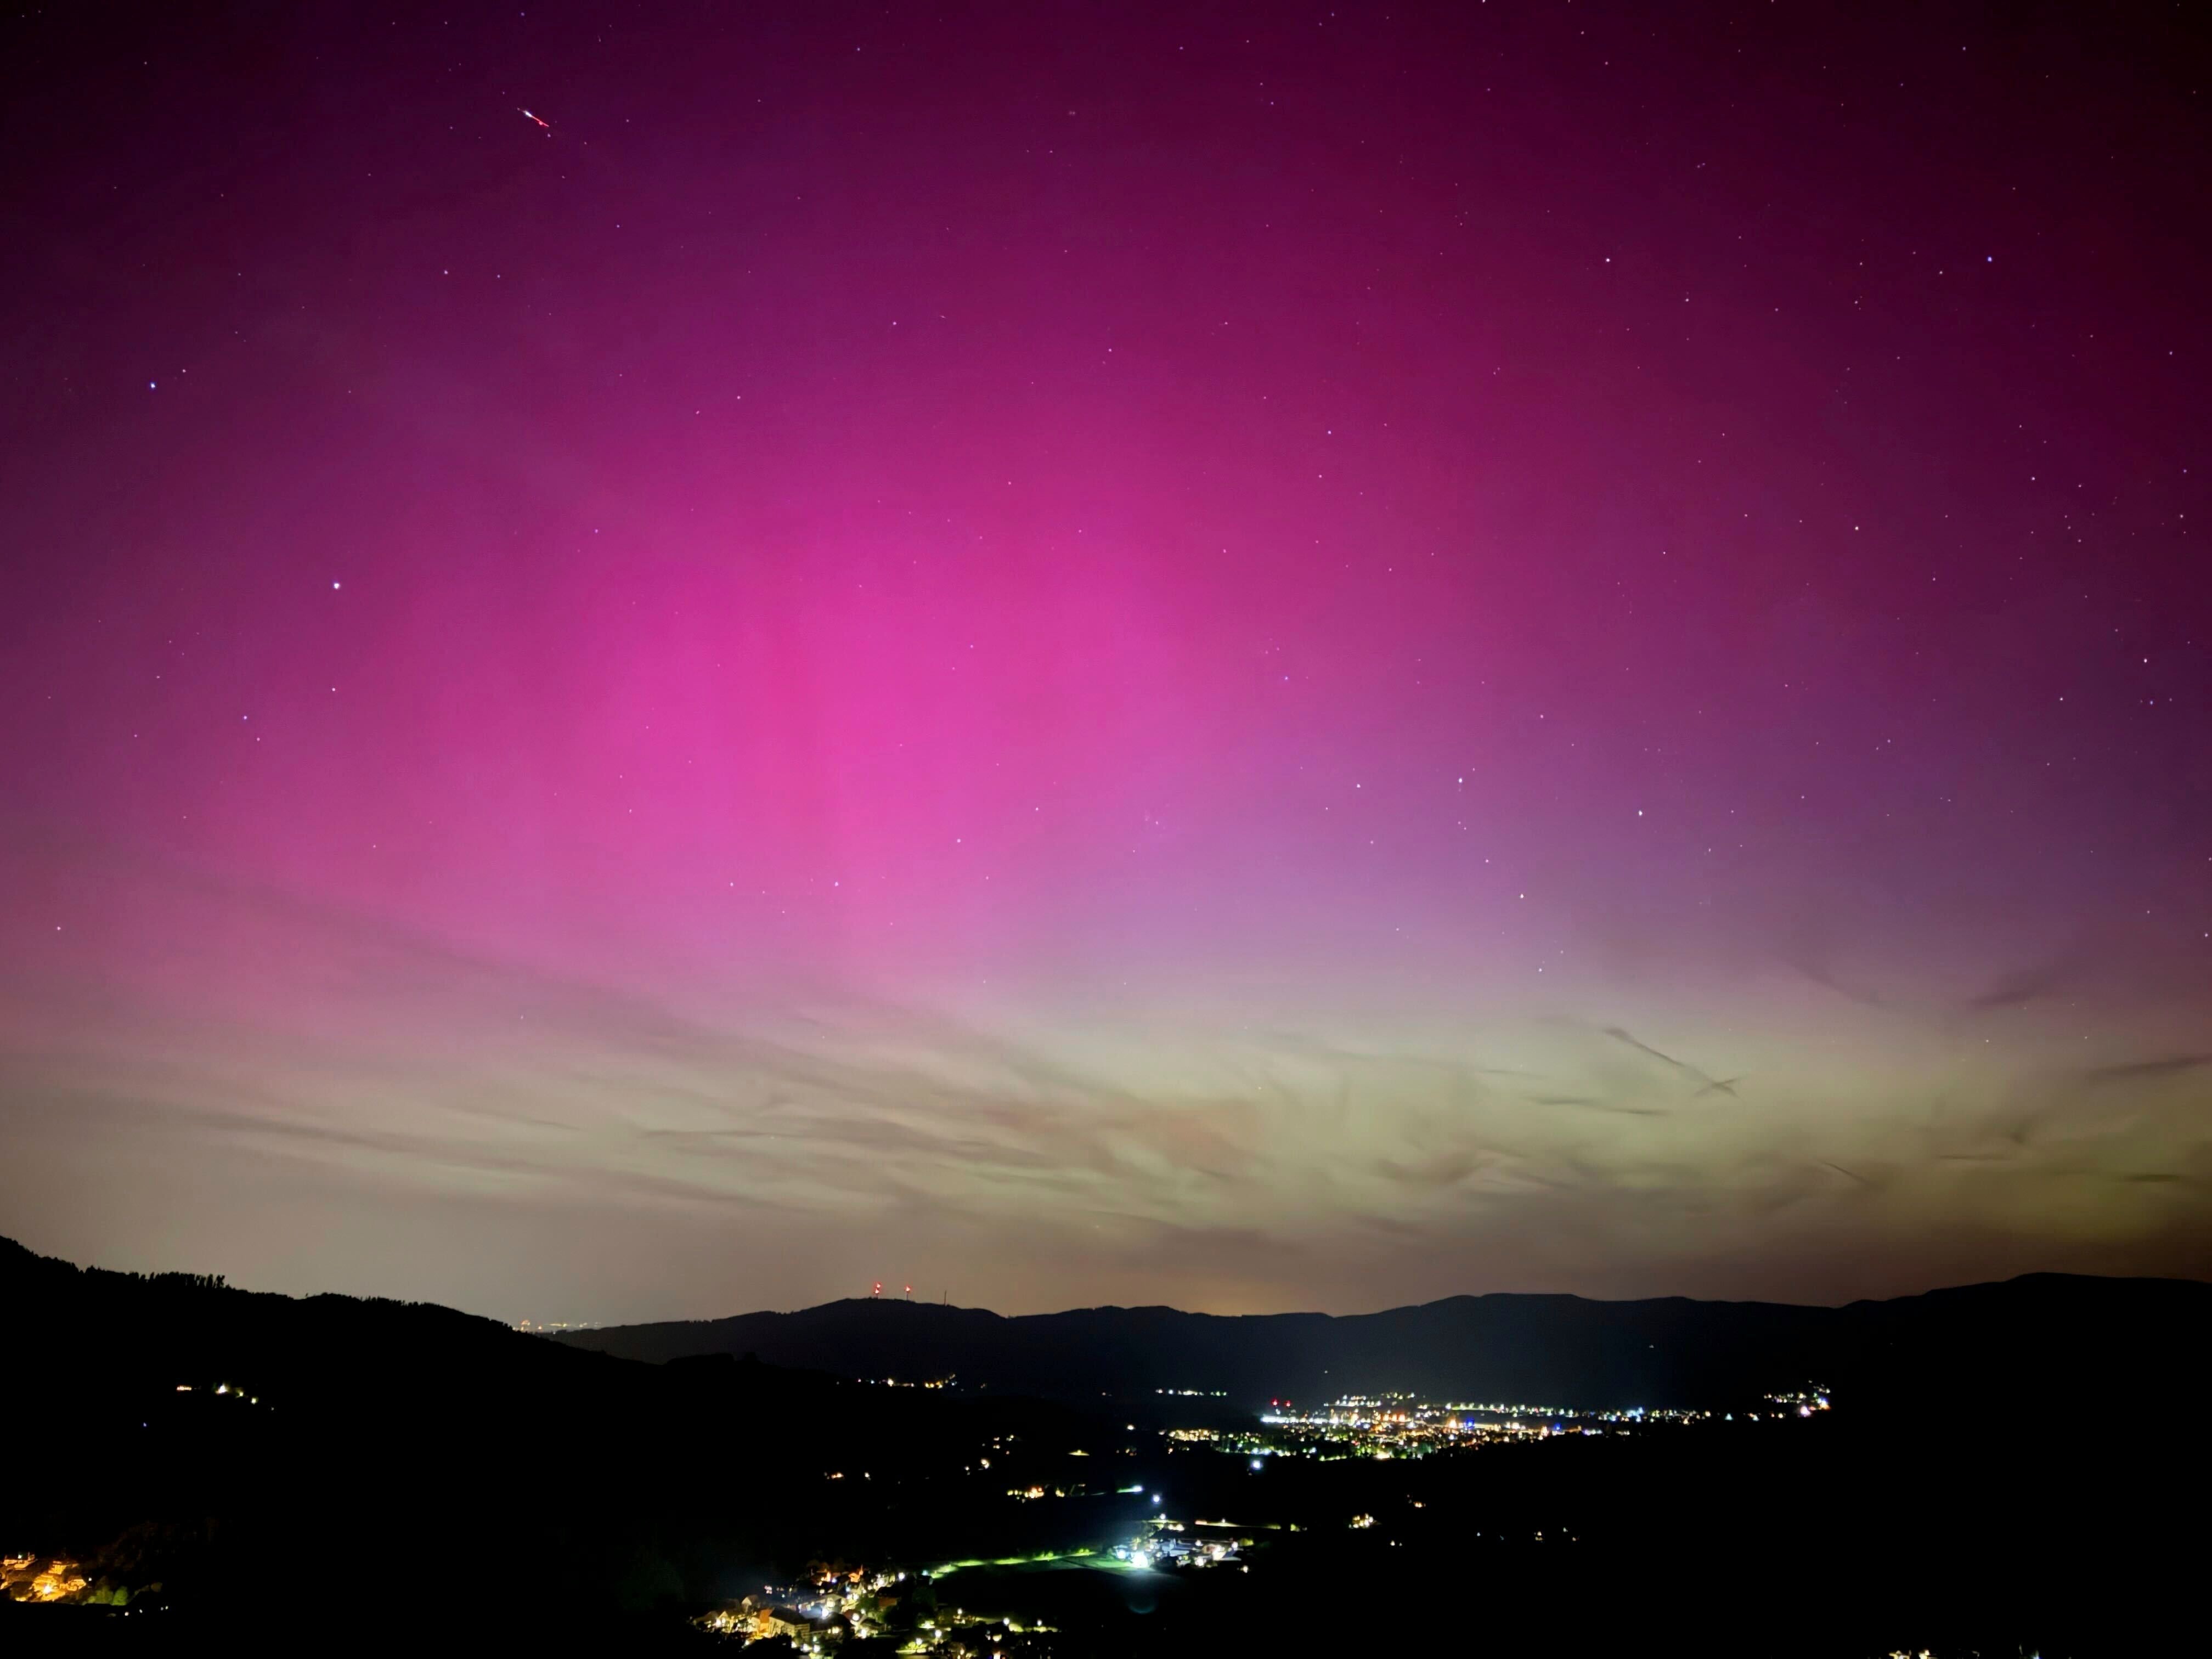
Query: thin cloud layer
column 1230, row 1157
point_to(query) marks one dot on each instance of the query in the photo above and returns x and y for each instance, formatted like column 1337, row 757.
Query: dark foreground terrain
column 266, row 1472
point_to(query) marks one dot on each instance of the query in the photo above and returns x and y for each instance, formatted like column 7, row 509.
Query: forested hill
column 247, row 1453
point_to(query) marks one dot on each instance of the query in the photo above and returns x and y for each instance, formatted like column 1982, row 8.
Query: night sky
column 1257, row 658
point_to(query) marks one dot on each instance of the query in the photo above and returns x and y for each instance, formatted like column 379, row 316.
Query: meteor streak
column 548, row 125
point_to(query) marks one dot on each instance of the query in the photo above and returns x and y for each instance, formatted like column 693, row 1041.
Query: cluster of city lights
column 1402, row 1425
column 840, row 1602
column 42, row 1578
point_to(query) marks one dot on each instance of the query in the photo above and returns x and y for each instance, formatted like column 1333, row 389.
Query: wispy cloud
column 384, row 1055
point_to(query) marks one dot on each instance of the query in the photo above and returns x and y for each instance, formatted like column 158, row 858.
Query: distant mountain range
column 2040, row 1337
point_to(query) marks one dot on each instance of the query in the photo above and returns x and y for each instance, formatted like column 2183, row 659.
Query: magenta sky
column 1078, row 653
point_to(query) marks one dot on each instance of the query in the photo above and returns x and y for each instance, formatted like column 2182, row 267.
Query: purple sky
column 1254, row 657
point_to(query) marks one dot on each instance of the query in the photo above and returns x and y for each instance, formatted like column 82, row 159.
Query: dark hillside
column 251, row 1453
